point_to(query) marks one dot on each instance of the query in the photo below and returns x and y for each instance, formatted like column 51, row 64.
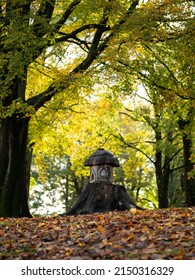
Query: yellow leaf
column 81, row 244
column 130, row 237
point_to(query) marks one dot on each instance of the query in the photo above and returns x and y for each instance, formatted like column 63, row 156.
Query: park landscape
column 78, row 76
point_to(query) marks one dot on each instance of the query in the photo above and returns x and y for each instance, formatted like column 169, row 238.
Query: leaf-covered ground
column 149, row 234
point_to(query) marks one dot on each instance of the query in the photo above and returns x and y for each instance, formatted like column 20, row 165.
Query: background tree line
column 80, row 75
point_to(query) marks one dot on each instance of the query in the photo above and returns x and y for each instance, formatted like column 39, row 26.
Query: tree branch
column 46, row 9
column 146, row 77
column 60, row 85
column 73, row 34
column 121, row 138
column 176, row 81
column 165, row 65
column 130, row 11
column 39, row 100
column 171, row 158
column 97, row 47
column 81, row 43
column 66, row 15
column 176, row 168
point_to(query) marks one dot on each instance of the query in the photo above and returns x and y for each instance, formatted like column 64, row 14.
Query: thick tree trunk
column 13, row 167
column 163, row 192
column 102, row 197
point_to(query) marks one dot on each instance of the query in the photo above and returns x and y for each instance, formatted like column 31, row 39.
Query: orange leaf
column 100, row 228
column 186, row 214
column 100, row 217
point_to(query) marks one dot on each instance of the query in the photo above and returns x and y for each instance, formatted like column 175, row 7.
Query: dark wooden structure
column 100, row 194
column 102, row 197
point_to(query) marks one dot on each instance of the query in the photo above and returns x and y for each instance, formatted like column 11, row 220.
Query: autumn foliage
column 136, row 234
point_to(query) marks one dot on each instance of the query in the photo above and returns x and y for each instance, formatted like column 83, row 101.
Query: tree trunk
column 102, row 197
column 188, row 181
column 13, row 167
column 162, row 173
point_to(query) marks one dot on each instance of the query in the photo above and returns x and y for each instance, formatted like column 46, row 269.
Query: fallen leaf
column 145, row 235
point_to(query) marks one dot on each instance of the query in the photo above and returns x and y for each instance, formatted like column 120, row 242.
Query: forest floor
column 136, row 234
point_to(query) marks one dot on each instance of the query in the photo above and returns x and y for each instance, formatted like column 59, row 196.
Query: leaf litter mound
column 136, row 234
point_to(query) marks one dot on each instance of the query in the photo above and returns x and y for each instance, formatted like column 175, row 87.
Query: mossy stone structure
column 100, row 194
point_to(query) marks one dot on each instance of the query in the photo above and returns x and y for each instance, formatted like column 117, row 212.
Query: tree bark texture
column 162, row 174
column 102, row 197
column 188, row 181
column 13, row 167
